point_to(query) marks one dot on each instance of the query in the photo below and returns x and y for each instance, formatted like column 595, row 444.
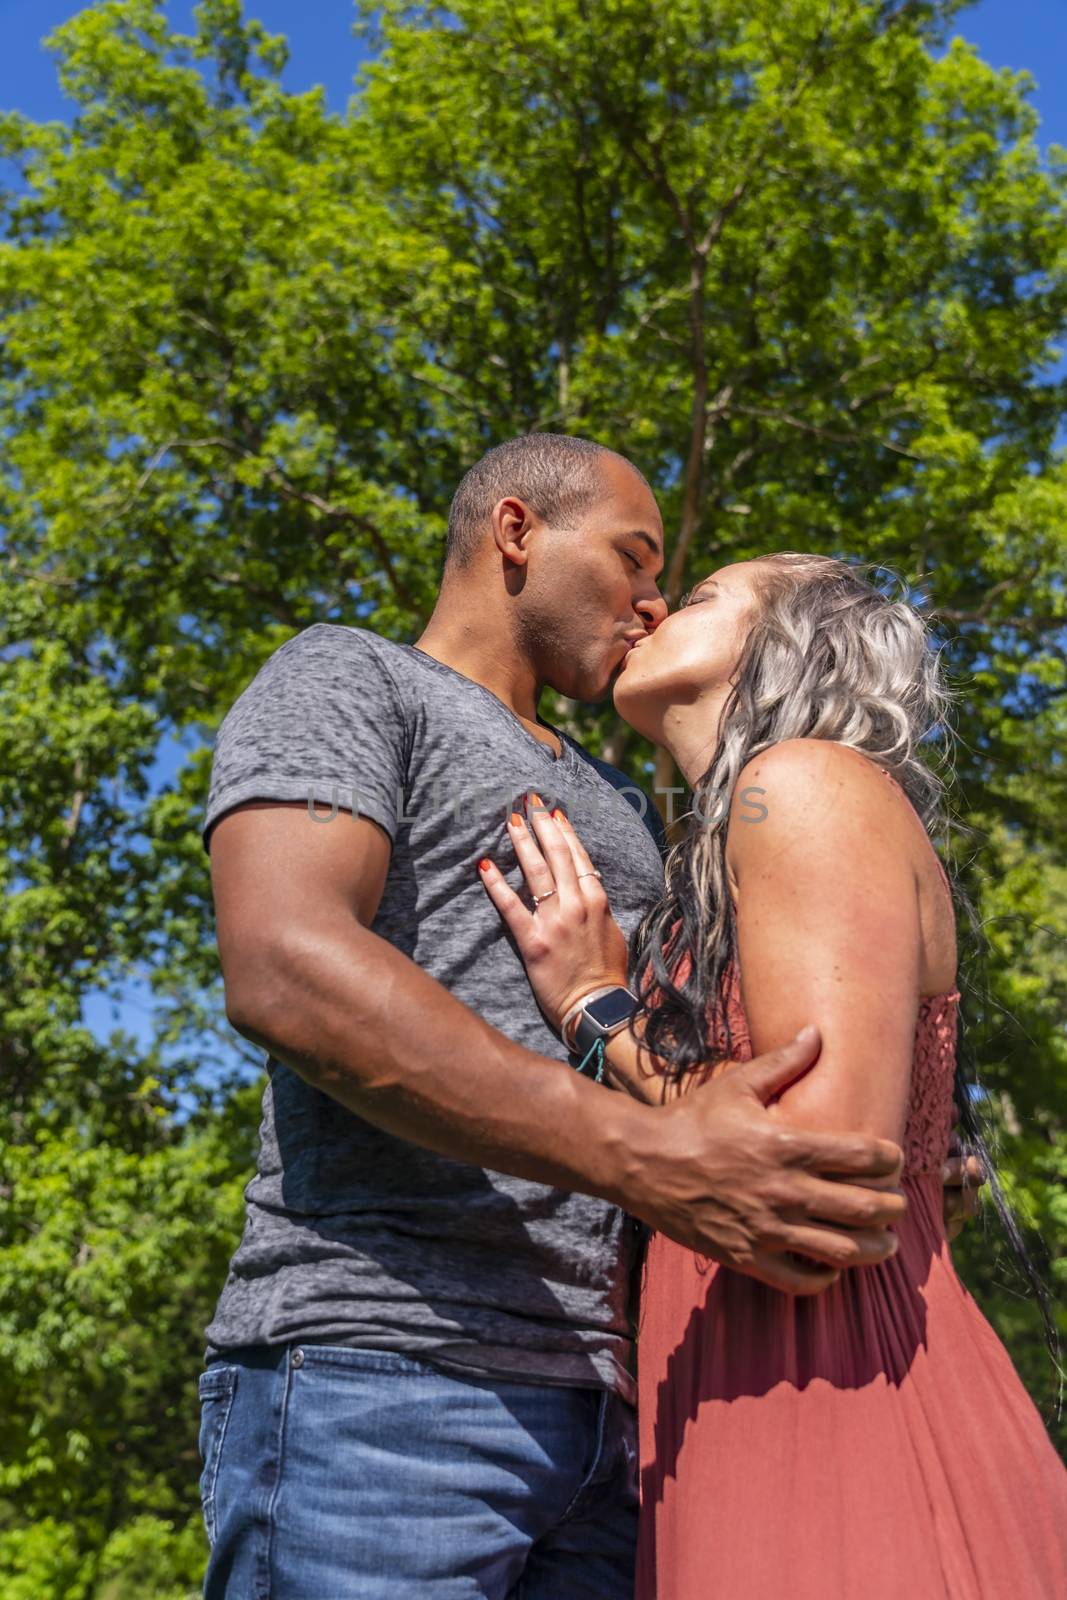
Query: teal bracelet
column 596, row 1049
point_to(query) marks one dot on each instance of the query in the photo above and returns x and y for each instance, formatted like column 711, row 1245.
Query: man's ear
column 512, row 522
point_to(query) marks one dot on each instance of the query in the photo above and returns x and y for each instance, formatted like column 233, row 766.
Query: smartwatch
column 602, row 1016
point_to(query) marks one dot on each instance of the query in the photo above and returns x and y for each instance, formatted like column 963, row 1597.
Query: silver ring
column 593, row 873
column 537, row 898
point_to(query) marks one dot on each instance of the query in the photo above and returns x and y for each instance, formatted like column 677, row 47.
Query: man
column 420, row 1370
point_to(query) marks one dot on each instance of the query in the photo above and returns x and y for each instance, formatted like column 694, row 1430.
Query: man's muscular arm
column 308, row 980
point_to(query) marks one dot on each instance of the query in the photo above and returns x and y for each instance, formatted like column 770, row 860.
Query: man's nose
column 651, row 611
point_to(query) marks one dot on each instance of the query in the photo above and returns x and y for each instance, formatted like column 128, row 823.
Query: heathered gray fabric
column 353, row 1236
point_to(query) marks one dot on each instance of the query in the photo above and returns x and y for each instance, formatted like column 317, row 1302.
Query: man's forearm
column 359, row 1020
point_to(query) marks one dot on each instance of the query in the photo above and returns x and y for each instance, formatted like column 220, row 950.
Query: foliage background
column 807, row 266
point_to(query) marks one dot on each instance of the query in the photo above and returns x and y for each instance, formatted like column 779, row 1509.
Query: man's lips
column 631, row 645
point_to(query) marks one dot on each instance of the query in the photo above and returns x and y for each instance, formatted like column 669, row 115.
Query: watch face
column 611, row 1009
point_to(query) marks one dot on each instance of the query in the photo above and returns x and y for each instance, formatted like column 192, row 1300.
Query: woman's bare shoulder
column 805, row 779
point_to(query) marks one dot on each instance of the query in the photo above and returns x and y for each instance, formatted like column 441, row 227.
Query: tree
column 804, row 268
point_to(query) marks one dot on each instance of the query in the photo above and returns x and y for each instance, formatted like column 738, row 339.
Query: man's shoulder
column 344, row 644
column 327, row 669
column 341, row 636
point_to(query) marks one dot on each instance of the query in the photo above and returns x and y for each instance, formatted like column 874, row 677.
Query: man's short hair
column 556, row 475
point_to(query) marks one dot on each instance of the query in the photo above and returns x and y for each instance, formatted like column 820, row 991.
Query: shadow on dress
column 741, row 1342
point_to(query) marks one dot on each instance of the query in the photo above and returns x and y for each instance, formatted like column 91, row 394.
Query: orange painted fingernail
column 516, row 820
column 538, row 802
column 558, row 814
column 484, row 864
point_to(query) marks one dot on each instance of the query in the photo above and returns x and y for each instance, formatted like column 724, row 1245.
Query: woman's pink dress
column 869, row 1443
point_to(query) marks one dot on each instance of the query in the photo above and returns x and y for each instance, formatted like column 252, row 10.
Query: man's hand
column 792, row 1208
column 963, row 1179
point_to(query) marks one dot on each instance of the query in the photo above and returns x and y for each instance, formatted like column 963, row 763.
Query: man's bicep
column 277, row 875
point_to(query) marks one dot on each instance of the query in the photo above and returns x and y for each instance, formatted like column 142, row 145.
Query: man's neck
column 489, row 658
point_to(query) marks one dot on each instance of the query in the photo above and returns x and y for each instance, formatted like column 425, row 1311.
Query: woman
column 873, row 1439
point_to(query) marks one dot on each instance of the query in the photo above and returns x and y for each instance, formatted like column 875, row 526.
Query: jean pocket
column 217, row 1387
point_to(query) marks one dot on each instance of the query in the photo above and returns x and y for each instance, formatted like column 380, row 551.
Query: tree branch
column 789, row 421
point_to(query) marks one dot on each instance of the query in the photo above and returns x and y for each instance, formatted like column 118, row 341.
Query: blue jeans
column 339, row 1474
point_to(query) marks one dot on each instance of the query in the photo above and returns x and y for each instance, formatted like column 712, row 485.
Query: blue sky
column 1030, row 34
column 1009, row 33
column 322, row 49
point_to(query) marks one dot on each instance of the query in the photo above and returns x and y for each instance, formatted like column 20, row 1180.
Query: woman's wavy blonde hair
column 829, row 656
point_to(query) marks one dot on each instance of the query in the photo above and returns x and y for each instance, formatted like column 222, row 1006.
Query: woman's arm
column 627, row 1065
column 828, row 926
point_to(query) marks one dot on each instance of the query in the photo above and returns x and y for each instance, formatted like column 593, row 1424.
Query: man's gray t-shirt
column 353, row 1236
